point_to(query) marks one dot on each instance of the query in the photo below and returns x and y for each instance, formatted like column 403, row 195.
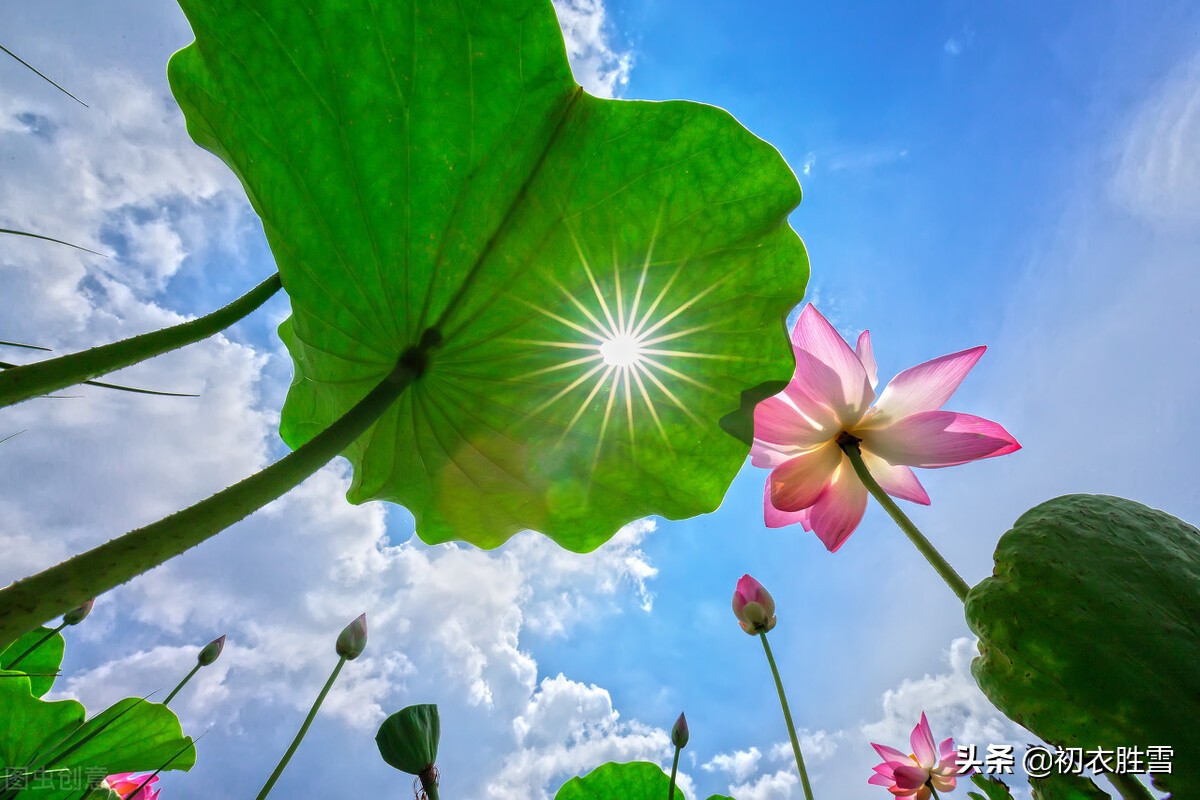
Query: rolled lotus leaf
column 408, row 739
column 1089, row 632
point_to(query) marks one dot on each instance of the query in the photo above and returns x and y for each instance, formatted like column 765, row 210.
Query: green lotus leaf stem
column 1129, row 787
column 312, row 713
column 787, row 717
column 31, row 380
column 27, row 603
column 923, row 545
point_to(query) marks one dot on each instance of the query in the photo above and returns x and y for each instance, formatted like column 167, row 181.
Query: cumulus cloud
column 599, row 66
column 741, row 764
column 123, row 179
column 567, row 729
column 953, row 703
column 780, row 785
column 817, row 746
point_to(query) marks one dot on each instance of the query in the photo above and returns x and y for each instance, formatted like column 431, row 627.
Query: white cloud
column 100, row 178
column 956, row 44
column 816, row 746
column 568, row 728
column 952, row 702
column 599, row 67
column 741, row 764
column 781, row 785
column 1158, row 175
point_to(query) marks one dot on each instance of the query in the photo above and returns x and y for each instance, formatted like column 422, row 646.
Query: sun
column 630, row 341
column 622, row 350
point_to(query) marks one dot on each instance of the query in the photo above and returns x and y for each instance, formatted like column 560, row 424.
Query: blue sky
column 1019, row 176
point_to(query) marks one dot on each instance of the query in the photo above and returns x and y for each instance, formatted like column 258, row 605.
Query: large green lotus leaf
column 993, row 788
column 1088, row 629
column 636, row 780
column 42, row 664
column 1064, row 786
column 131, row 736
column 607, row 279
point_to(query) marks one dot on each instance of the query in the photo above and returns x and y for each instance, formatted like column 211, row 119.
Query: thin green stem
column 312, row 713
column 926, row 548
column 1129, row 787
column 674, row 771
column 787, row 717
column 13, row 664
column 29, row 602
column 932, row 790
column 43, row 377
column 29, row 66
column 182, row 683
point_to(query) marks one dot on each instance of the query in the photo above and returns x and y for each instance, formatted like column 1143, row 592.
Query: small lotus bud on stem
column 211, row 651
column 73, row 617
column 679, row 732
column 350, row 644
column 753, row 606
column 207, row 655
column 353, row 639
column 679, row 738
column 79, row 613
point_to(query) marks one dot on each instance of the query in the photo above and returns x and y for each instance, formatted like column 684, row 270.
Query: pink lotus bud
column 353, row 639
column 79, row 614
column 753, row 606
column 679, row 733
column 211, row 651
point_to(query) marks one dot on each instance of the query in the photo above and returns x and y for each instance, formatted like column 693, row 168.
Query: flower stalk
column 960, row 587
column 312, row 713
column 787, row 717
column 350, row 644
column 181, row 684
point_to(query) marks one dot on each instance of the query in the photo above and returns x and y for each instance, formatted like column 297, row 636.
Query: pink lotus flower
column 910, row 775
column 126, row 784
column 753, row 606
column 796, row 432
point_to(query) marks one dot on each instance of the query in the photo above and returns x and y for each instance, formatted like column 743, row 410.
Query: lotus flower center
column 622, row 350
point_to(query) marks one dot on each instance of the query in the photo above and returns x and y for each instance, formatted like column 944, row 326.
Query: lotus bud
column 753, row 606
column 211, row 651
column 679, row 732
column 78, row 614
column 353, row 639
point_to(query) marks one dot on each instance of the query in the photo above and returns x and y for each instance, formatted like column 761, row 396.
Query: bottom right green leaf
column 1089, row 634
